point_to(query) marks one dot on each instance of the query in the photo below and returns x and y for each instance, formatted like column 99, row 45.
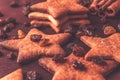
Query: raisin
column 118, row 26
column 35, row 37
column 98, row 60
column 27, row 3
column 11, row 20
column 26, row 10
column 11, row 56
column 78, row 50
column 78, row 65
column 14, row 4
column 27, row 24
column 1, row 15
column 88, row 30
column 79, row 33
column 70, row 45
column 9, row 27
column 32, row 75
column 2, row 22
column 3, row 34
column 1, row 53
column 88, row 33
column 59, row 58
column 68, row 51
column 68, row 48
column 70, row 29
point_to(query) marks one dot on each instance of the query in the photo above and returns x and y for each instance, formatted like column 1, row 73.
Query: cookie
column 56, row 22
column 103, row 47
column 16, row 75
column 36, row 44
column 43, row 16
column 77, row 68
column 57, row 29
column 64, row 7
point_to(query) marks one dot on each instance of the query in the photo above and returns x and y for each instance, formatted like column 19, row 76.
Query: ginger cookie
column 37, row 44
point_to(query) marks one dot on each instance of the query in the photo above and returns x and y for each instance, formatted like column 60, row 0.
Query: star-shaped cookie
column 66, row 71
column 47, row 17
column 103, row 47
column 56, row 8
column 49, row 45
column 57, row 29
column 39, row 18
column 16, row 75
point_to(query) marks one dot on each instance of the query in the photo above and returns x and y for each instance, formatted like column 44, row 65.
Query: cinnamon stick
column 93, row 8
column 102, row 2
column 108, row 3
column 113, row 9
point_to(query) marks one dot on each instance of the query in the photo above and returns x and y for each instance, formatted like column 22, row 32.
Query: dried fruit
column 27, row 3
column 14, row 4
column 79, row 33
column 88, row 30
column 78, row 65
column 118, row 26
column 89, row 33
column 27, row 24
column 32, row 75
column 78, row 50
column 11, row 20
column 68, row 49
column 59, row 58
column 2, row 21
column 1, row 15
column 108, row 30
column 11, row 56
column 3, row 35
column 9, row 27
column 35, row 37
column 21, row 34
column 26, row 10
column 70, row 29
column 70, row 45
column 1, row 53
column 98, row 60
